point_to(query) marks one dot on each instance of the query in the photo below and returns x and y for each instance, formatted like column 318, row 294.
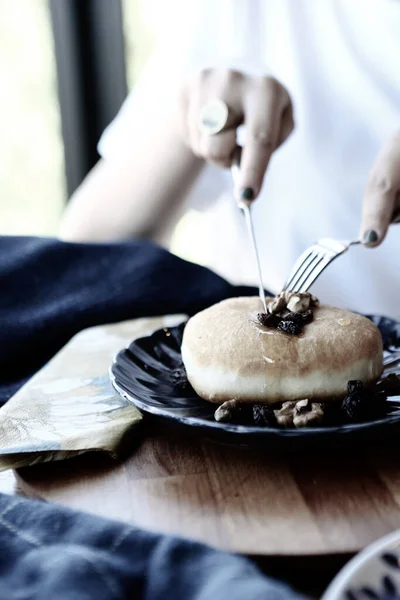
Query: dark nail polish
column 370, row 237
column 247, row 193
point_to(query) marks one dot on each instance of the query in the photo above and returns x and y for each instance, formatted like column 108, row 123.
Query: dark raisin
column 179, row 377
column 353, row 387
column 293, row 317
column 352, row 408
column 242, row 414
column 307, row 316
column 363, row 404
column 304, row 317
column 290, row 327
column 263, row 415
column 267, row 320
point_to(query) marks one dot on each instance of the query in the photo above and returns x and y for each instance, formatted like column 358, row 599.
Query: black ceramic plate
column 145, row 374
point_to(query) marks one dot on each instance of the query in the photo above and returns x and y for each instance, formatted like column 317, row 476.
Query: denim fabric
column 52, row 553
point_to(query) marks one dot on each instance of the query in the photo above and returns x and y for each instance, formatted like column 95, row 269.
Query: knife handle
column 235, row 168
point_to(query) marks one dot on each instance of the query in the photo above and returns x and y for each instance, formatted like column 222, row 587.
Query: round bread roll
column 229, row 355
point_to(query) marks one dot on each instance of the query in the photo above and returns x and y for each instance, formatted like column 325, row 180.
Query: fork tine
column 304, row 270
column 316, row 272
column 298, row 267
column 308, row 272
column 313, row 261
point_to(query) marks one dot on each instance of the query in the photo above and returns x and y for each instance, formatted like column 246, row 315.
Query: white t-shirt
column 340, row 61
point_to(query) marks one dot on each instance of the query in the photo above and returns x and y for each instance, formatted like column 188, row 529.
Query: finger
column 219, row 149
column 194, row 98
column 287, row 124
column 381, row 194
column 216, row 86
column 264, row 107
column 194, row 133
column 183, row 107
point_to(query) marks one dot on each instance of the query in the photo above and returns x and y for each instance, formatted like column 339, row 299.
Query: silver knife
column 246, row 207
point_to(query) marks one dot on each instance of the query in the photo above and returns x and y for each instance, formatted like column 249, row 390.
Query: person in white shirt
column 333, row 67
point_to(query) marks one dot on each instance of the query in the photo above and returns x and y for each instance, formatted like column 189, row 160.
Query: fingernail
column 247, row 193
column 370, row 237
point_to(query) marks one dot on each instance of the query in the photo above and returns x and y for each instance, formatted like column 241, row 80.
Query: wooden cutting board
column 230, row 497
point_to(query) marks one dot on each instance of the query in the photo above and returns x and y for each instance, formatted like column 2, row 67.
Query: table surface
column 233, row 498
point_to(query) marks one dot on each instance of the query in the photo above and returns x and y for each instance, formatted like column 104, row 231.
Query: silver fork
column 313, row 261
column 316, row 258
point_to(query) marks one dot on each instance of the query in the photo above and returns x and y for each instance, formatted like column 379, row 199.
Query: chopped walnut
column 302, row 406
column 226, row 411
column 284, row 416
column 314, row 300
column 299, row 414
column 278, row 304
column 312, row 416
column 292, row 301
column 299, row 303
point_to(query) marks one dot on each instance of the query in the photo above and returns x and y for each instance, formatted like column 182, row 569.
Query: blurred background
column 66, row 67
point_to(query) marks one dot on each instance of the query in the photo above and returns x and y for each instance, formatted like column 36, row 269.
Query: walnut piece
column 226, row 411
column 299, row 414
column 302, row 406
column 277, row 305
column 292, row 301
column 299, row 303
column 284, row 416
column 313, row 416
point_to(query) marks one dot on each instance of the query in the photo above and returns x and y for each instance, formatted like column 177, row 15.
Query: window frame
column 91, row 76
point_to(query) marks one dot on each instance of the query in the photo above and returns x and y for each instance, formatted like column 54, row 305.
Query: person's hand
column 381, row 204
column 262, row 104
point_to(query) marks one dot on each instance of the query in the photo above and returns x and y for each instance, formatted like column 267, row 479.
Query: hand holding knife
column 213, row 119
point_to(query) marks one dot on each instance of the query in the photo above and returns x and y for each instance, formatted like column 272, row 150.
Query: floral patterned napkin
column 70, row 407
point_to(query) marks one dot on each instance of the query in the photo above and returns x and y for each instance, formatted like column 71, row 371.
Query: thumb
column 381, row 193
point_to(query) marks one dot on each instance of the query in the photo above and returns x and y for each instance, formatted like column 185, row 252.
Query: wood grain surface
column 234, row 498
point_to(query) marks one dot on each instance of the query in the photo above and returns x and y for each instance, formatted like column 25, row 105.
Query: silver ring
column 213, row 117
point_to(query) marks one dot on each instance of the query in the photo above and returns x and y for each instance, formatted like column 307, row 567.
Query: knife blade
column 245, row 206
